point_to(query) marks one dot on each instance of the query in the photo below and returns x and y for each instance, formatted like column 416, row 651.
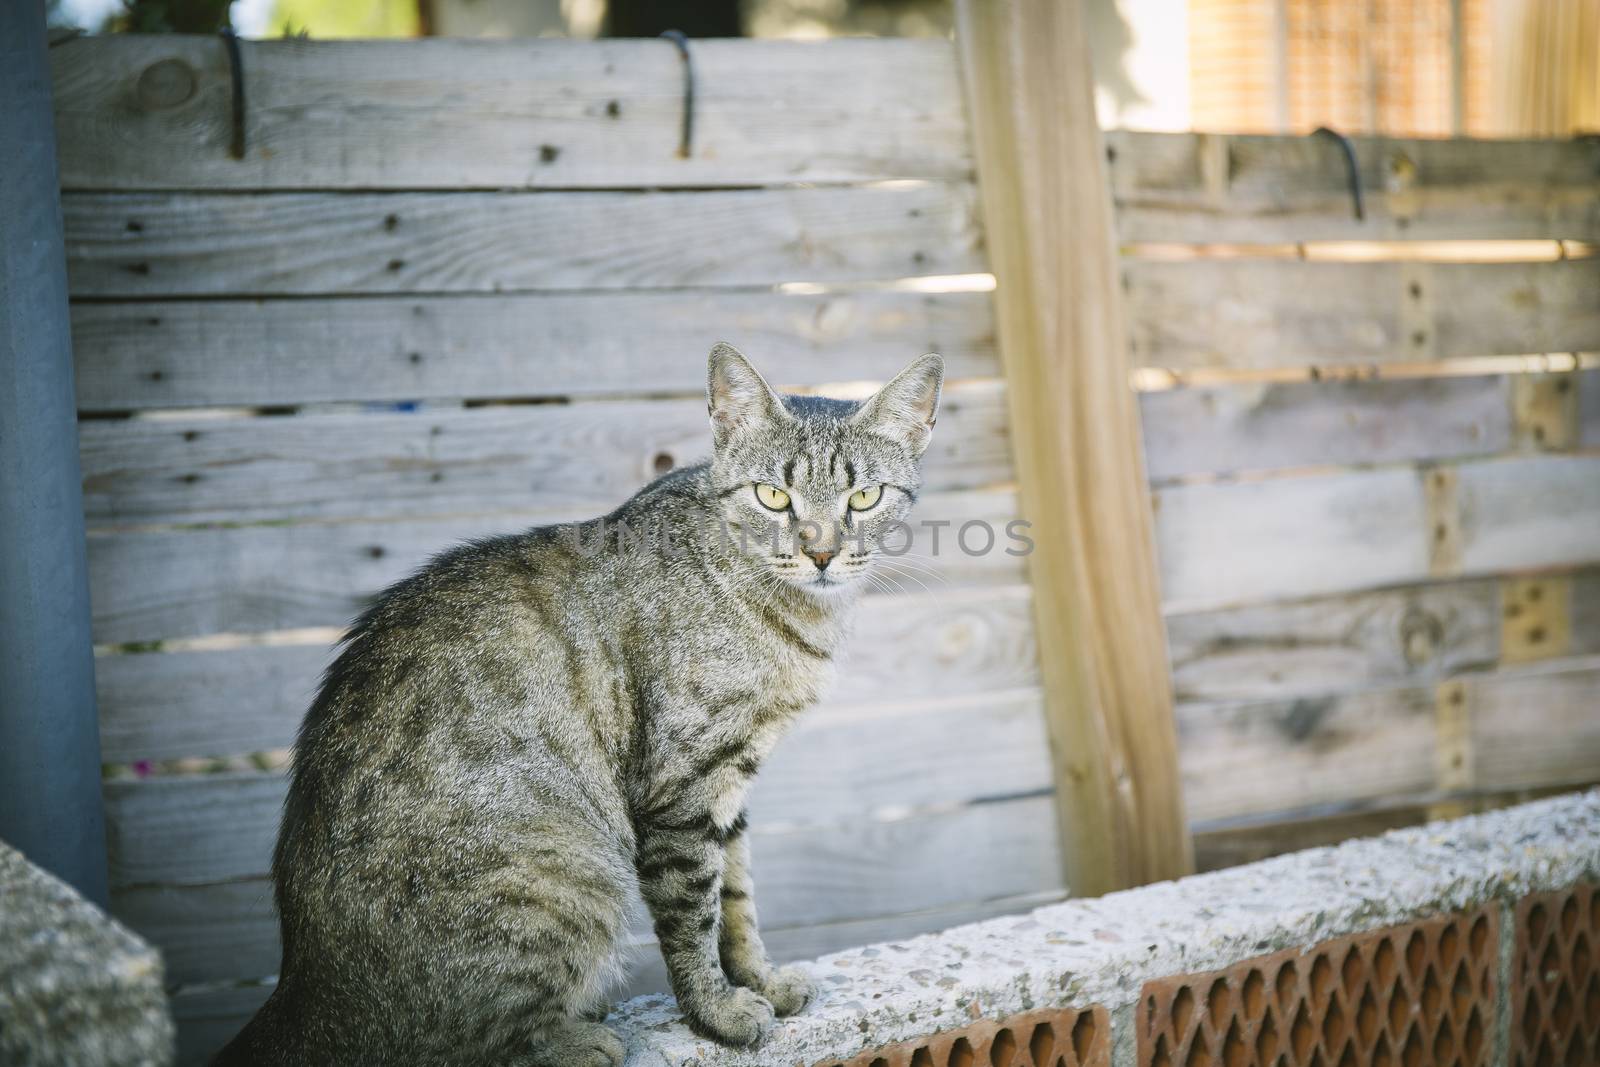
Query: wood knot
column 1421, row 633
column 165, row 84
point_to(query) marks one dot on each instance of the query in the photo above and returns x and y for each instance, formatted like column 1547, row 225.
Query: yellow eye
column 862, row 499
column 771, row 497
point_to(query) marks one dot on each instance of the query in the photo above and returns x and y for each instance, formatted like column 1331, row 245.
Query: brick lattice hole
column 1049, row 1037
column 1418, row 995
column 1555, row 981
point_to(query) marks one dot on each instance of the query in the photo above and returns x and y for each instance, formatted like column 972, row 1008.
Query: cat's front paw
column 737, row 1017
column 789, row 989
column 579, row 1044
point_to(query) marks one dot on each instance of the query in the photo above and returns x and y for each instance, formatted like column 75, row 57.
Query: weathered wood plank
column 1261, row 426
column 1588, row 383
column 321, row 244
column 208, row 1020
column 1248, row 759
column 1536, row 729
column 1526, row 729
column 1255, row 313
column 1234, row 846
column 956, row 645
column 211, row 828
column 1211, row 188
column 588, row 456
column 1530, row 514
column 1225, row 844
column 437, row 113
column 218, row 352
column 155, row 584
column 1236, row 543
column 1075, row 422
column 1414, row 635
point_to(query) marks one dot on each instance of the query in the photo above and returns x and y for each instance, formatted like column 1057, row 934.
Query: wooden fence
column 454, row 288
column 1378, row 530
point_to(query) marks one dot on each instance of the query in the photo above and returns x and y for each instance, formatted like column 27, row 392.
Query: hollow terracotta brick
column 1555, row 984
column 1417, row 995
column 1048, row 1037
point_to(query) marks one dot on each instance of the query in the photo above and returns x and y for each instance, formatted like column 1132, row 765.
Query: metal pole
column 49, row 732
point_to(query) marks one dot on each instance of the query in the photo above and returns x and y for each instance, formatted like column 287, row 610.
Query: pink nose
column 821, row 559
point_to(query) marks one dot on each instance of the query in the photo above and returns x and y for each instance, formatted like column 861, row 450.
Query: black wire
column 236, row 69
column 686, row 138
column 1352, row 171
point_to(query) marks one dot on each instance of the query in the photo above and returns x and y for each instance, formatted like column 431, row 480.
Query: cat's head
column 809, row 486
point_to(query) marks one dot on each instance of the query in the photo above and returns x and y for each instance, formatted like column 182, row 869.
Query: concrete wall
column 76, row 988
column 1464, row 940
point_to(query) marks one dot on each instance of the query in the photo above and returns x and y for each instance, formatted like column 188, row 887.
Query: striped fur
column 520, row 732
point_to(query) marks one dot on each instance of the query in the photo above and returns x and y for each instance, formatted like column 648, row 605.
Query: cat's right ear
column 737, row 397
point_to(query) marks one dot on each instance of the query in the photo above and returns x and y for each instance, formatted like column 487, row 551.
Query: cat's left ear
column 906, row 409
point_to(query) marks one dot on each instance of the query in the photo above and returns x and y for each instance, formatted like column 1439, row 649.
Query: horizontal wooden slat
column 1248, row 759
column 1537, row 729
column 499, row 114
column 1526, row 729
column 1261, row 426
column 1588, row 383
column 1313, row 647
column 212, row 828
column 957, row 645
column 1207, row 188
column 1530, row 514
column 587, row 456
column 320, row 244
column 1254, row 313
column 1220, row 845
column 1224, row 544
column 218, row 352
column 158, row 584
column 208, row 1019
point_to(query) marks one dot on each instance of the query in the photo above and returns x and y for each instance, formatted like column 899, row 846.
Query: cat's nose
column 821, row 559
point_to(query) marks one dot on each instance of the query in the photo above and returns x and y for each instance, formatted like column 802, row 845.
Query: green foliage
column 173, row 16
column 346, row 18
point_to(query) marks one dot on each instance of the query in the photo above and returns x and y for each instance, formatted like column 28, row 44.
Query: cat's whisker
column 915, row 563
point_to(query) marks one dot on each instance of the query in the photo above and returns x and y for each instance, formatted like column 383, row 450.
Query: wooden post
column 1074, row 423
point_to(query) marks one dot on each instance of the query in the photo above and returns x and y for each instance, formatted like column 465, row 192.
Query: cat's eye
column 771, row 496
column 863, row 499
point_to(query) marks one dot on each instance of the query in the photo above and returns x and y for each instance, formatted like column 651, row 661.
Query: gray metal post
column 49, row 732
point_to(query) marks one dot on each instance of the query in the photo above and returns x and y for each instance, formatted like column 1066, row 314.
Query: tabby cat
column 515, row 734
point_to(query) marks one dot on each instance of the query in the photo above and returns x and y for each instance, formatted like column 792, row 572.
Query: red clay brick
column 1555, row 1006
column 1049, row 1037
column 1417, row 995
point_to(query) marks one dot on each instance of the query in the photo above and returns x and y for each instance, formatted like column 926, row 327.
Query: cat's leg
column 680, row 877
column 555, row 928
column 744, row 957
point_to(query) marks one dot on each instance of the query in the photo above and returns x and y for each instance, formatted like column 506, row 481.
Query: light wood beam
column 1047, row 214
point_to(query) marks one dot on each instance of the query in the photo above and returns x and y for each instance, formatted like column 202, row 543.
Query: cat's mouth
column 827, row 583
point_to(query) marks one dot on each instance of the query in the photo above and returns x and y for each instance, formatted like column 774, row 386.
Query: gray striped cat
column 515, row 734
